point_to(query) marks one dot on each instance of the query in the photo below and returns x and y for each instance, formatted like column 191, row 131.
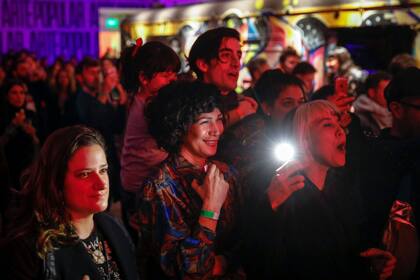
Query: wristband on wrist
column 209, row 214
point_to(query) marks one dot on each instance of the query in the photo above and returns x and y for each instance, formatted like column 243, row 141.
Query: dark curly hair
column 175, row 108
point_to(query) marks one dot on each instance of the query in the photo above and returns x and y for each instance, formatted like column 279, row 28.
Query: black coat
column 73, row 262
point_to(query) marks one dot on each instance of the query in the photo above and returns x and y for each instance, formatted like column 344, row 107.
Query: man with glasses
column 371, row 107
column 390, row 176
column 215, row 57
column 403, row 96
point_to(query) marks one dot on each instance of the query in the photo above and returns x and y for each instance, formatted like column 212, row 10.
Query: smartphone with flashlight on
column 284, row 153
column 341, row 86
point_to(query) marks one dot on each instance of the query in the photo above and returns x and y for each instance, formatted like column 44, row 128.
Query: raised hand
column 383, row 262
column 343, row 103
column 247, row 106
column 19, row 119
column 284, row 183
column 214, row 189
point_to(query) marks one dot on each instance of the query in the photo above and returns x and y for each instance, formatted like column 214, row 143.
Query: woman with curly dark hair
column 189, row 208
column 59, row 231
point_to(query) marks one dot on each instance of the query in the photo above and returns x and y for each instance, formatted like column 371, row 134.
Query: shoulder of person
column 159, row 179
column 227, row 169
column 111, row 225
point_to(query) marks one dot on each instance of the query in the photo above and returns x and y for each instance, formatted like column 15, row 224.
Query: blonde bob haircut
column 303, row 119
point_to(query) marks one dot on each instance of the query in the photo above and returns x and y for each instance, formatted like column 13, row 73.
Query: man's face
column 333, row 65
column 289, row 64
column 290, row 98
column 223, row 71
column 22, row 71
column 407, row 118
column 90, row 77
column 308, row 81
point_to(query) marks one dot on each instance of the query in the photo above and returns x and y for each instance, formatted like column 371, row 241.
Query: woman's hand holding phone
column 284, row 183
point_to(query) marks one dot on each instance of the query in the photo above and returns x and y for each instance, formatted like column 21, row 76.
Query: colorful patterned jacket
column 168, row 214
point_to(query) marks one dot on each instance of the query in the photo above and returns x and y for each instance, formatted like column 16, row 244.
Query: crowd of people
column 193, row 165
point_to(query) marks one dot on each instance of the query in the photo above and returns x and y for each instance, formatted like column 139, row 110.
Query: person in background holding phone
column 112, row 88
column 315, row 228
column 371, row 107
column 96, row 108
column 338, row 95
column 18, row 140
column 340, row 64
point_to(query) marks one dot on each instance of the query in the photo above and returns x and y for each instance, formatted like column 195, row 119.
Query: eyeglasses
column 227, row 55
column 414, row 106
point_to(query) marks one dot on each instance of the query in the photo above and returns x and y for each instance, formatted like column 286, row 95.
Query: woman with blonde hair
column 314, row 229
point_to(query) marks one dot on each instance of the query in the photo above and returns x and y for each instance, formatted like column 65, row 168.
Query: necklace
column 95, row 249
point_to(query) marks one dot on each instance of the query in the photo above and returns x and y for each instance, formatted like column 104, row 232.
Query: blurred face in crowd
column 90, row 77
column 406, row 114
column 17, row 96
column 32, row 64
column 158, row 80
column 86, row 184
column 259, row 71
column 327, row 140
column 22, row 71
column 2, row 75
column 39, row 73
column 63, row 78
column 223, row 71
column 333, row 65
column 106, row 64
column 70, row 69
column 289, row 64
column 203, row 136
column 290, row 98
column 308, row 81
column 378, row 93
column 111, row 73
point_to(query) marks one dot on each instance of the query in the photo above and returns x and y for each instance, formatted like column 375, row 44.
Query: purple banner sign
column 52, row 28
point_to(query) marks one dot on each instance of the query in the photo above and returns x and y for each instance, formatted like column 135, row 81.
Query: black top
column 20, row 261
column 313, row 235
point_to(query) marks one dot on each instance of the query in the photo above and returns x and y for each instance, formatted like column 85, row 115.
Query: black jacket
column 73, row 262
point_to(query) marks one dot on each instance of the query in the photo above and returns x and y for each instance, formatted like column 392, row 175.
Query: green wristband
column 209, row 214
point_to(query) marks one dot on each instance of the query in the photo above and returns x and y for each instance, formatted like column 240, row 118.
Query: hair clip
column 139, row 43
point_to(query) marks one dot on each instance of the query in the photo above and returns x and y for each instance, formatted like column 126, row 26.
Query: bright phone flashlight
column 284, row 153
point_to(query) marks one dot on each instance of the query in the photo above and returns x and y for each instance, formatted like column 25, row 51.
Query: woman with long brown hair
column 59, row 231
